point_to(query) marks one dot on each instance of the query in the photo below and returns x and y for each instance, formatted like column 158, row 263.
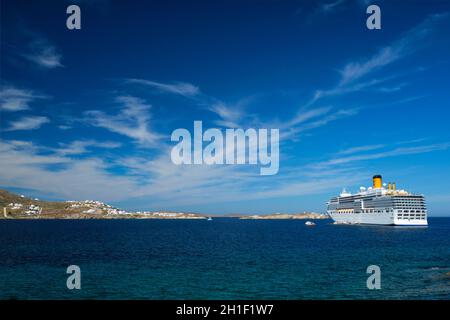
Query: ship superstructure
column 379, row 204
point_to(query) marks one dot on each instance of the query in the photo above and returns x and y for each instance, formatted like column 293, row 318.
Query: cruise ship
column 379, row 204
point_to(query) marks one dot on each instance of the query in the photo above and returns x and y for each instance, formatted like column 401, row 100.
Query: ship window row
column 376, row 211
column 408, row 202
column 363, row 211
column 410, row 207
column 412, row 211
column 411, row 216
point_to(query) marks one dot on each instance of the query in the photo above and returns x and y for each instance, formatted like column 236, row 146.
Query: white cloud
column 16, row 99
column 353, row 72
column 64, row 127
column 306, row 115
column 44, row 54
column 27, row 123
column 328, row 7
column 25, row 165
column 389, row 54
column 81, row 146
column 385, row 154
column 294, row 130
column 361, row 149
column 180, row 88
column 356, row 70
column 355, row 87
column 133, row 121
column 229, row 115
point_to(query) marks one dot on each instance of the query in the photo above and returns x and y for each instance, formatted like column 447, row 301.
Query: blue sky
column 88, row 114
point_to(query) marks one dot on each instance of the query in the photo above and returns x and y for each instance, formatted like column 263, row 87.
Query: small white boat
column 209, row 219
column 310, row 223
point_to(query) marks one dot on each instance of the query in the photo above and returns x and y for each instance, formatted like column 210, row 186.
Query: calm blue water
column 222, row 259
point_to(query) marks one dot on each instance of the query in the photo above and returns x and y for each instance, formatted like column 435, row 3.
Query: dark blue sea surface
column 225, row 258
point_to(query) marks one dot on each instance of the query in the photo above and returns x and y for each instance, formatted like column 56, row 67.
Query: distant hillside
column 7, row 198
column 20, row 207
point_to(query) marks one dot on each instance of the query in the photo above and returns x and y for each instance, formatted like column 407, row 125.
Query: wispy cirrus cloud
column 305, row 115
column 401, row 151
column 353, row 72
column 27, row 123
column 44, row 54
column 229, row 115
column 353, row 75
column 133, row 121
column 391, row 53
column 393, row 88
column 64, row 127
column 330, row 6
column 322, row 9
column 17, row 99
column 232, row 115
column 79, row 147
column 181, row 88
column 316, row 119
column 355, row 87
column 358, row 149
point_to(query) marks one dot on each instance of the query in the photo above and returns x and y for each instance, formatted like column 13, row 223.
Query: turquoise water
column 222, row 259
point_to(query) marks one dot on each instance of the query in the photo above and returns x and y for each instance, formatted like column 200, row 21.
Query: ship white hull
column 382, row 218
column 379, row 206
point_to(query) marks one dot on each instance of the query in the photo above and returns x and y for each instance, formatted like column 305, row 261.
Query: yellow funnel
column 377, row 182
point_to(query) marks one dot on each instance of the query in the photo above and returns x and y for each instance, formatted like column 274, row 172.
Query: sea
column 226, row 258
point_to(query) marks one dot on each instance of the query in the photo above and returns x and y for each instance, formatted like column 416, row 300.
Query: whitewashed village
column 22, row 207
